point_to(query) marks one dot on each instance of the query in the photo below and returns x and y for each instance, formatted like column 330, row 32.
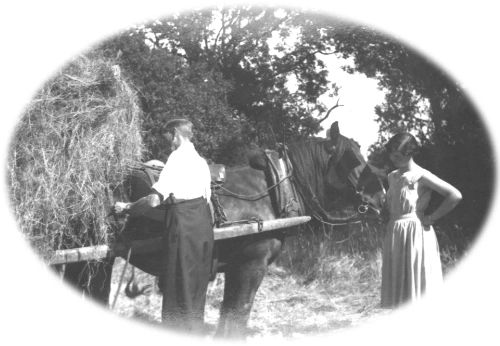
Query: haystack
column 69, row 154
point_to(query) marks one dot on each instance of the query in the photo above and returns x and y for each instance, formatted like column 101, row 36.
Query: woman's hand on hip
column 427, row 221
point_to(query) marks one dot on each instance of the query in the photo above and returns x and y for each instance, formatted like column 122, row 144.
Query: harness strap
column 289, row 167
column 254, row 197
column 259, row 221
column 291, row 204
column 219, row 214
column 285, row 196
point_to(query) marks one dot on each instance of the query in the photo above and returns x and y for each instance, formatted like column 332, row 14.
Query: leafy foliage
column 169, row 89
column 422, row 99
column 228, row 70
column 251, row 76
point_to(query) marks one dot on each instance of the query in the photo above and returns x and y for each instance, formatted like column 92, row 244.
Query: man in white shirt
column 184, row 186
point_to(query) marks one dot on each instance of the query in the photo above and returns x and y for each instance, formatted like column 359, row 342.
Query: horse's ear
column 332, row 135
column 334, row 132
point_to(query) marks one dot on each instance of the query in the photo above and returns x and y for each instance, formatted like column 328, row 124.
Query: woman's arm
column 451, row 197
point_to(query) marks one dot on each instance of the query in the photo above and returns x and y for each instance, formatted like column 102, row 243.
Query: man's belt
column 171, row 200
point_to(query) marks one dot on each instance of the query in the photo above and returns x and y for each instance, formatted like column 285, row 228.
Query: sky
column 359, row 95
column 457, row 35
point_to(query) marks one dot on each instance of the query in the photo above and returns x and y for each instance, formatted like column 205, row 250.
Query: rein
column 308, row 202
column 315, row 214
column 254, row 197
column 313, row 201
column 319, row 219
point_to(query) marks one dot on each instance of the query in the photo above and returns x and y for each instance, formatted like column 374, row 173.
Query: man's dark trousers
column 188, row 244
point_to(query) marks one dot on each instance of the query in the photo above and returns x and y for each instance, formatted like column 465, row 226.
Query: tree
column 169, row 88
column 422, row 99
column 250, row 55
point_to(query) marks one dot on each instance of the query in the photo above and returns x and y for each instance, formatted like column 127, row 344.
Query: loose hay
column 71, row 148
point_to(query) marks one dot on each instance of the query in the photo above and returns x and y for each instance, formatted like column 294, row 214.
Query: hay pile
column 71, row 148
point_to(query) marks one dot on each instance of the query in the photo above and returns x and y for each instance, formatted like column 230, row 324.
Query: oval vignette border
column 39, row 309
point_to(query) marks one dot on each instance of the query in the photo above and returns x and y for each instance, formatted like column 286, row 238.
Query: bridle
column 363, row 181
column 365, row 205
column 308, row 197
column 311, row 201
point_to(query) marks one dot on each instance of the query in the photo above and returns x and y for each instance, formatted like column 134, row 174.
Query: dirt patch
column 284, row 306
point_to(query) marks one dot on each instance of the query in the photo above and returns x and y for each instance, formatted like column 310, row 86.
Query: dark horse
column 334, row 184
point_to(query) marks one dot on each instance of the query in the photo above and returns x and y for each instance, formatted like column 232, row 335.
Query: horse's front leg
column 242, row 280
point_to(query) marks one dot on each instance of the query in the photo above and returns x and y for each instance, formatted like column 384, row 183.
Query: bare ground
column 286, row 305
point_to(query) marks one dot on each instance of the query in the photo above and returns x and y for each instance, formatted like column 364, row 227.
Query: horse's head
column 347, row 166
column 335, row 179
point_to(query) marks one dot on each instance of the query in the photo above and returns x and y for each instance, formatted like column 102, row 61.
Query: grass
column 280, row 307
column 324, row 281
column 315, row 251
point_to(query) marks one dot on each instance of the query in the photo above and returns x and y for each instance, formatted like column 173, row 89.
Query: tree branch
column 221, row 31
column 155, row 42
column 329, row 111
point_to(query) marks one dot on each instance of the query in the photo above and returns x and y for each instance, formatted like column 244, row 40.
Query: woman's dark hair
column 403, row 142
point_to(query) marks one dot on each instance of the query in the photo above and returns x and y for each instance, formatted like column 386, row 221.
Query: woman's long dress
column 410, row 262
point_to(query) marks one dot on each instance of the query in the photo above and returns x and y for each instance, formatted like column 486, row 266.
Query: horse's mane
column 309, row 159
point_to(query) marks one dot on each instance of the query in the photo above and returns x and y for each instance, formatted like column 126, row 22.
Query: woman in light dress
column 411, row 263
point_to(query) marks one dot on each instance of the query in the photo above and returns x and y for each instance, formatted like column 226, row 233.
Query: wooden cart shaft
column 154, row 244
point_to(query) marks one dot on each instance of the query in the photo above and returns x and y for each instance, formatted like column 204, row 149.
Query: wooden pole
column 154, row 244
column 253, row 227
column 121, row 279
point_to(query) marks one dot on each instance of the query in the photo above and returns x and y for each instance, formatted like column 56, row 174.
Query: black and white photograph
column 215, row 172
